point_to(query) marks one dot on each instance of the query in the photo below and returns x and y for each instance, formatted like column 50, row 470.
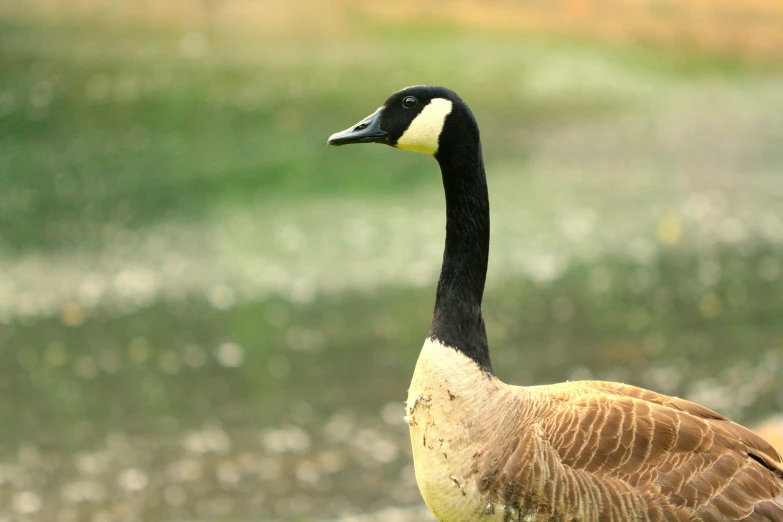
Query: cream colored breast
column 448, row 402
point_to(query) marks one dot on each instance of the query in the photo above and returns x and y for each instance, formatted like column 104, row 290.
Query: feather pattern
column 584, row 451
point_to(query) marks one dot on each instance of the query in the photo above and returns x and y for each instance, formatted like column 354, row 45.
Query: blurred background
column 205, row 314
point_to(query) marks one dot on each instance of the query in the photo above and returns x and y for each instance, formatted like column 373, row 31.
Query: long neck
column 457, row 320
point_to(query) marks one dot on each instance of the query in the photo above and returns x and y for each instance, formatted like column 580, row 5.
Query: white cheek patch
column 424, row 131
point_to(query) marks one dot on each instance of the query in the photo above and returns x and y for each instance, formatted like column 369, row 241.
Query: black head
column 419, row 118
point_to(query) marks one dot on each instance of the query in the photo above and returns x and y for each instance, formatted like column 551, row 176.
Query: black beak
column 366, row 131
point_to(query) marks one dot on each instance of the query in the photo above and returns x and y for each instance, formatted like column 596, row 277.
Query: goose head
column 423, row 118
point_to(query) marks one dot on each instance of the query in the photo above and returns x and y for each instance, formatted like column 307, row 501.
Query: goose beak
column 366, row 131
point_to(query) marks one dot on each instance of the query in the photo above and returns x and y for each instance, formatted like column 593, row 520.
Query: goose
column 584, row 451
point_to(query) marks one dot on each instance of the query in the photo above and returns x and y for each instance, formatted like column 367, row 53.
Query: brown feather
column 584, row 451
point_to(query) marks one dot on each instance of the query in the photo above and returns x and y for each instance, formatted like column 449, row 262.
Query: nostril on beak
column 361, row 126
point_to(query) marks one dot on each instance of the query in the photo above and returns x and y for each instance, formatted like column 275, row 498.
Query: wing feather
column 645, row 456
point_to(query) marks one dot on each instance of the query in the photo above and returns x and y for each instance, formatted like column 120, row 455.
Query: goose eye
column 409, row 102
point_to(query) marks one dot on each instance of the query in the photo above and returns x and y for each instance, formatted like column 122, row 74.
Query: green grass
column 109, row 123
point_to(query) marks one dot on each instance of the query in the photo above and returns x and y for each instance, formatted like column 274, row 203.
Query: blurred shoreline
column 752, row 29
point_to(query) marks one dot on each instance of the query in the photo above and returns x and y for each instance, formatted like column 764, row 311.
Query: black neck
column 457, row 320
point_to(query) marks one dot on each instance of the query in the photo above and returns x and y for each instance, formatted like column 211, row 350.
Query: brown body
column 583, row 451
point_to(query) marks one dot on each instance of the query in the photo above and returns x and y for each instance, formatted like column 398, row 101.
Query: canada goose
column 586, row 451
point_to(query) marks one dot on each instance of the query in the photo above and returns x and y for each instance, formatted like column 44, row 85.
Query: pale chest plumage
column 452, row 409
